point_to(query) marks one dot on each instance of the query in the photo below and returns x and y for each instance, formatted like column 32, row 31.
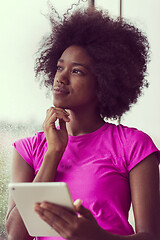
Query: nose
column 62, row 78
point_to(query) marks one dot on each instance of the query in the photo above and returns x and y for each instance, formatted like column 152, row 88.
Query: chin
column 60, row 105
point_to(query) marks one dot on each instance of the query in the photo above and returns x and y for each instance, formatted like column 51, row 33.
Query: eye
column 59, row 68
column 77, row 71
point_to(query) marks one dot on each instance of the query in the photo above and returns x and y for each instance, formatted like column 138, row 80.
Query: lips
column 60, row 90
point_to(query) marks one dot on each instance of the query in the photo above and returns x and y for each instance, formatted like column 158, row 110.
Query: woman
column 97, row 67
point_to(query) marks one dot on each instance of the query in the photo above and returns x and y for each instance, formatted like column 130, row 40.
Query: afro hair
column 120, row 52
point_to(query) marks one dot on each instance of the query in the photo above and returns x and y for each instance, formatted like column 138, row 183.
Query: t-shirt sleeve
column 25, row 148
column 139, row 146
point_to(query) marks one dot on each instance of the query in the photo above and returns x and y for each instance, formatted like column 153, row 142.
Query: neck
column 83, row 122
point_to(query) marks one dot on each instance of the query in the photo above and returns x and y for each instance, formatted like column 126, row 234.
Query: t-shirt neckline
column 88, row 135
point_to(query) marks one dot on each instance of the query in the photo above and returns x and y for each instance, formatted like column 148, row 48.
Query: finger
column 62, row 124
column 52, row 117
column 82, row 210
column 58, row 115
column 77, row 203
column 66, row 214
column 51, row 218
column 59, row 224
column 52, row 110
column 49, row 122
column 38, row 209
column 62, row 110
column 58, row 111
column 49, row 112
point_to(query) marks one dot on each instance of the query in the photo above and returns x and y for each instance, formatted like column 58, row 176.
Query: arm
column 22, row 172
column 144, row 185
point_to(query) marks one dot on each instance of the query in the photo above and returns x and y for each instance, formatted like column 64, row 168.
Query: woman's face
column 74, row 84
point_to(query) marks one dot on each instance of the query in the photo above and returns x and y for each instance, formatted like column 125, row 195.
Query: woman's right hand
column 57, row 139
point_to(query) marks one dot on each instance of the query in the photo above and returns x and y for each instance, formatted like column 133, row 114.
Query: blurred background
column 23, row 103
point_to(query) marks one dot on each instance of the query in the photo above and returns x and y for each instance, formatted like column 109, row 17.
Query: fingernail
column 43, row 205
column 67, row 112
column 37, row 208
column 78, row 202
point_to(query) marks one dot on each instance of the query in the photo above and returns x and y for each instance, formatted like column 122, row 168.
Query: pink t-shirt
column 96, row 168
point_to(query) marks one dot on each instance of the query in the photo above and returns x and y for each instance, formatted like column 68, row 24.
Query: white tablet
column 27, row 194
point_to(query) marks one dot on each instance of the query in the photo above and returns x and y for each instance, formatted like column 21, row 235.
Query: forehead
column 76, row 54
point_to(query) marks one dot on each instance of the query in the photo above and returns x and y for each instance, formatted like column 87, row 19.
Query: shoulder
column 134, row 145
column 32, row 140
column 31, row 144
column 31, row 148
column 124, row 136
column 127, row 134
column 134, row 137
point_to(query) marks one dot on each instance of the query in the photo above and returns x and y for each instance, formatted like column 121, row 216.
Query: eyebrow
column 75, row 64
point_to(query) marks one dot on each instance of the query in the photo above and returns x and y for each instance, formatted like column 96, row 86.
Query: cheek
column 84, row 84
column 87, row 92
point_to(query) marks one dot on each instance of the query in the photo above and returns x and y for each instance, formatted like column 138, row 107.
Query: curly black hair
column 120, row 52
